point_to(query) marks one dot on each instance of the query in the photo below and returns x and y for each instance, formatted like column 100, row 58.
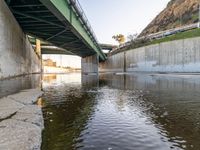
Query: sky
column 65, row 60
column 112, row 17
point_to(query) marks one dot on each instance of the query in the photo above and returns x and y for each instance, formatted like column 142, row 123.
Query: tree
column 132, row 37
column 119, row 38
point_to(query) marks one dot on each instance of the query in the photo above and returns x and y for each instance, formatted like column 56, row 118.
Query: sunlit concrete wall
column 175, row 56
column 17, row 56
column 114, row 63
column 89, row 64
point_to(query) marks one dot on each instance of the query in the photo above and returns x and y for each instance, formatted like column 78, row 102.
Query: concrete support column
column 90, row 64
column 38, row 52
column 38, row 47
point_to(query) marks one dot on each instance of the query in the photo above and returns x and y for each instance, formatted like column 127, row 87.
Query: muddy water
column 121, row 112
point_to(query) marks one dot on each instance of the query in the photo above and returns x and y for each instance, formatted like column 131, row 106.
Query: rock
column 27, row 96
column 8, row 107
column 31, row 109
column 18, row 135
column 30, row 118
column 177, row 12
column 21, row 121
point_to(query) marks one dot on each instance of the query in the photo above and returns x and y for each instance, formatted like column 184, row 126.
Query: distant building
column 48, row 62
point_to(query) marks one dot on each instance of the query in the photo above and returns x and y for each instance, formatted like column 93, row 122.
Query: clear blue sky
column 110, row 17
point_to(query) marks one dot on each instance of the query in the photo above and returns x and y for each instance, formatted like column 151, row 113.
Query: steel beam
column 64, row 11
column 36, row 11
column 43, row 16
column 28, row 5
column 68, row 43
column 59, row 33
column 37, row 18
column 47, row 34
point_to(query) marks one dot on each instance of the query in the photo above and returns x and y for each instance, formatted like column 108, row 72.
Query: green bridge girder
column 58, row 22
column 48, row 48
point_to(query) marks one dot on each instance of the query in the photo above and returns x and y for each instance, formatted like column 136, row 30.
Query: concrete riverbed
column 21, row 121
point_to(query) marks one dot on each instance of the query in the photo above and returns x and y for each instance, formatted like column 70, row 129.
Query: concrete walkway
column 21, row 121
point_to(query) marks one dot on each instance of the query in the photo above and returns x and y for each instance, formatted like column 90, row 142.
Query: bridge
column 59, row 22
column 48, row 48
column 29, row 28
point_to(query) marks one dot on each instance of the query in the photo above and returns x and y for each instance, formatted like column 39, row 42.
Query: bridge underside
column 45, row 20
column 54, row 50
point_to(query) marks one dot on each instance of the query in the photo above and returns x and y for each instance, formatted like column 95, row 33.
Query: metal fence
column 170, row 31
column 161, row 34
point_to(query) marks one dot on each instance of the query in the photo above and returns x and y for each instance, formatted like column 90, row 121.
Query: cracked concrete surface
column 21, row 121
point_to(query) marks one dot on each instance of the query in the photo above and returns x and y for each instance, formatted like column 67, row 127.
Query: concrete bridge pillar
column 38, row 47
column 90, row 64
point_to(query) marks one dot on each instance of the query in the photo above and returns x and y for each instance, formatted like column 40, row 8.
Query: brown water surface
column 121, row 112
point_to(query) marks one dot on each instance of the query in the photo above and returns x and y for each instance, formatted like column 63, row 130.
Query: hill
column 177, row 13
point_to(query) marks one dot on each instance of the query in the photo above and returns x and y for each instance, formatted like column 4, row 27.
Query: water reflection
column 172, row 101
column 66, row 112
column 136, row 111
column 90, row 81
column 40, row 102
column 14, row 85
column 60, row 79
column 49, row 78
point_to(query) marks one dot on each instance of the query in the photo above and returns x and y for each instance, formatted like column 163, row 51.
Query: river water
column 116, row 111
column 121, row 112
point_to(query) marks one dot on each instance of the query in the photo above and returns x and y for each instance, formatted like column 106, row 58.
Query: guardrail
column 162, row 34
column 81, row 15
column 170, row 31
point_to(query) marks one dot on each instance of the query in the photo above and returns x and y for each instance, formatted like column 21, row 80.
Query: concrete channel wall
column 17, row 56
column 175, row 56
column 90, row 64
column 115, row 63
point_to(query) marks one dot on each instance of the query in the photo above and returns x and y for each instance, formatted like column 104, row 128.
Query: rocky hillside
column 177, row 13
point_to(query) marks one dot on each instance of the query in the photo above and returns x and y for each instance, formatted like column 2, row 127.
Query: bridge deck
column 57, row 22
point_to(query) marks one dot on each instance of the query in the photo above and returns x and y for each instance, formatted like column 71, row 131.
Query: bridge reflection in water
column 121, row 112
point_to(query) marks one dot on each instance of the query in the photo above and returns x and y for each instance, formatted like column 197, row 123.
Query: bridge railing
column 170, row 31
column 79, row 10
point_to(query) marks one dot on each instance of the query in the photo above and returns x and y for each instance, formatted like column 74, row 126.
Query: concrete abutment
column 17, row 56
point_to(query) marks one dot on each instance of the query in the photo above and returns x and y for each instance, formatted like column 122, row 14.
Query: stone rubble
column 21, row 121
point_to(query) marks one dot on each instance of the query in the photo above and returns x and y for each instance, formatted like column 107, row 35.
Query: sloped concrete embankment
column 181, row 56
column 21, row 121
